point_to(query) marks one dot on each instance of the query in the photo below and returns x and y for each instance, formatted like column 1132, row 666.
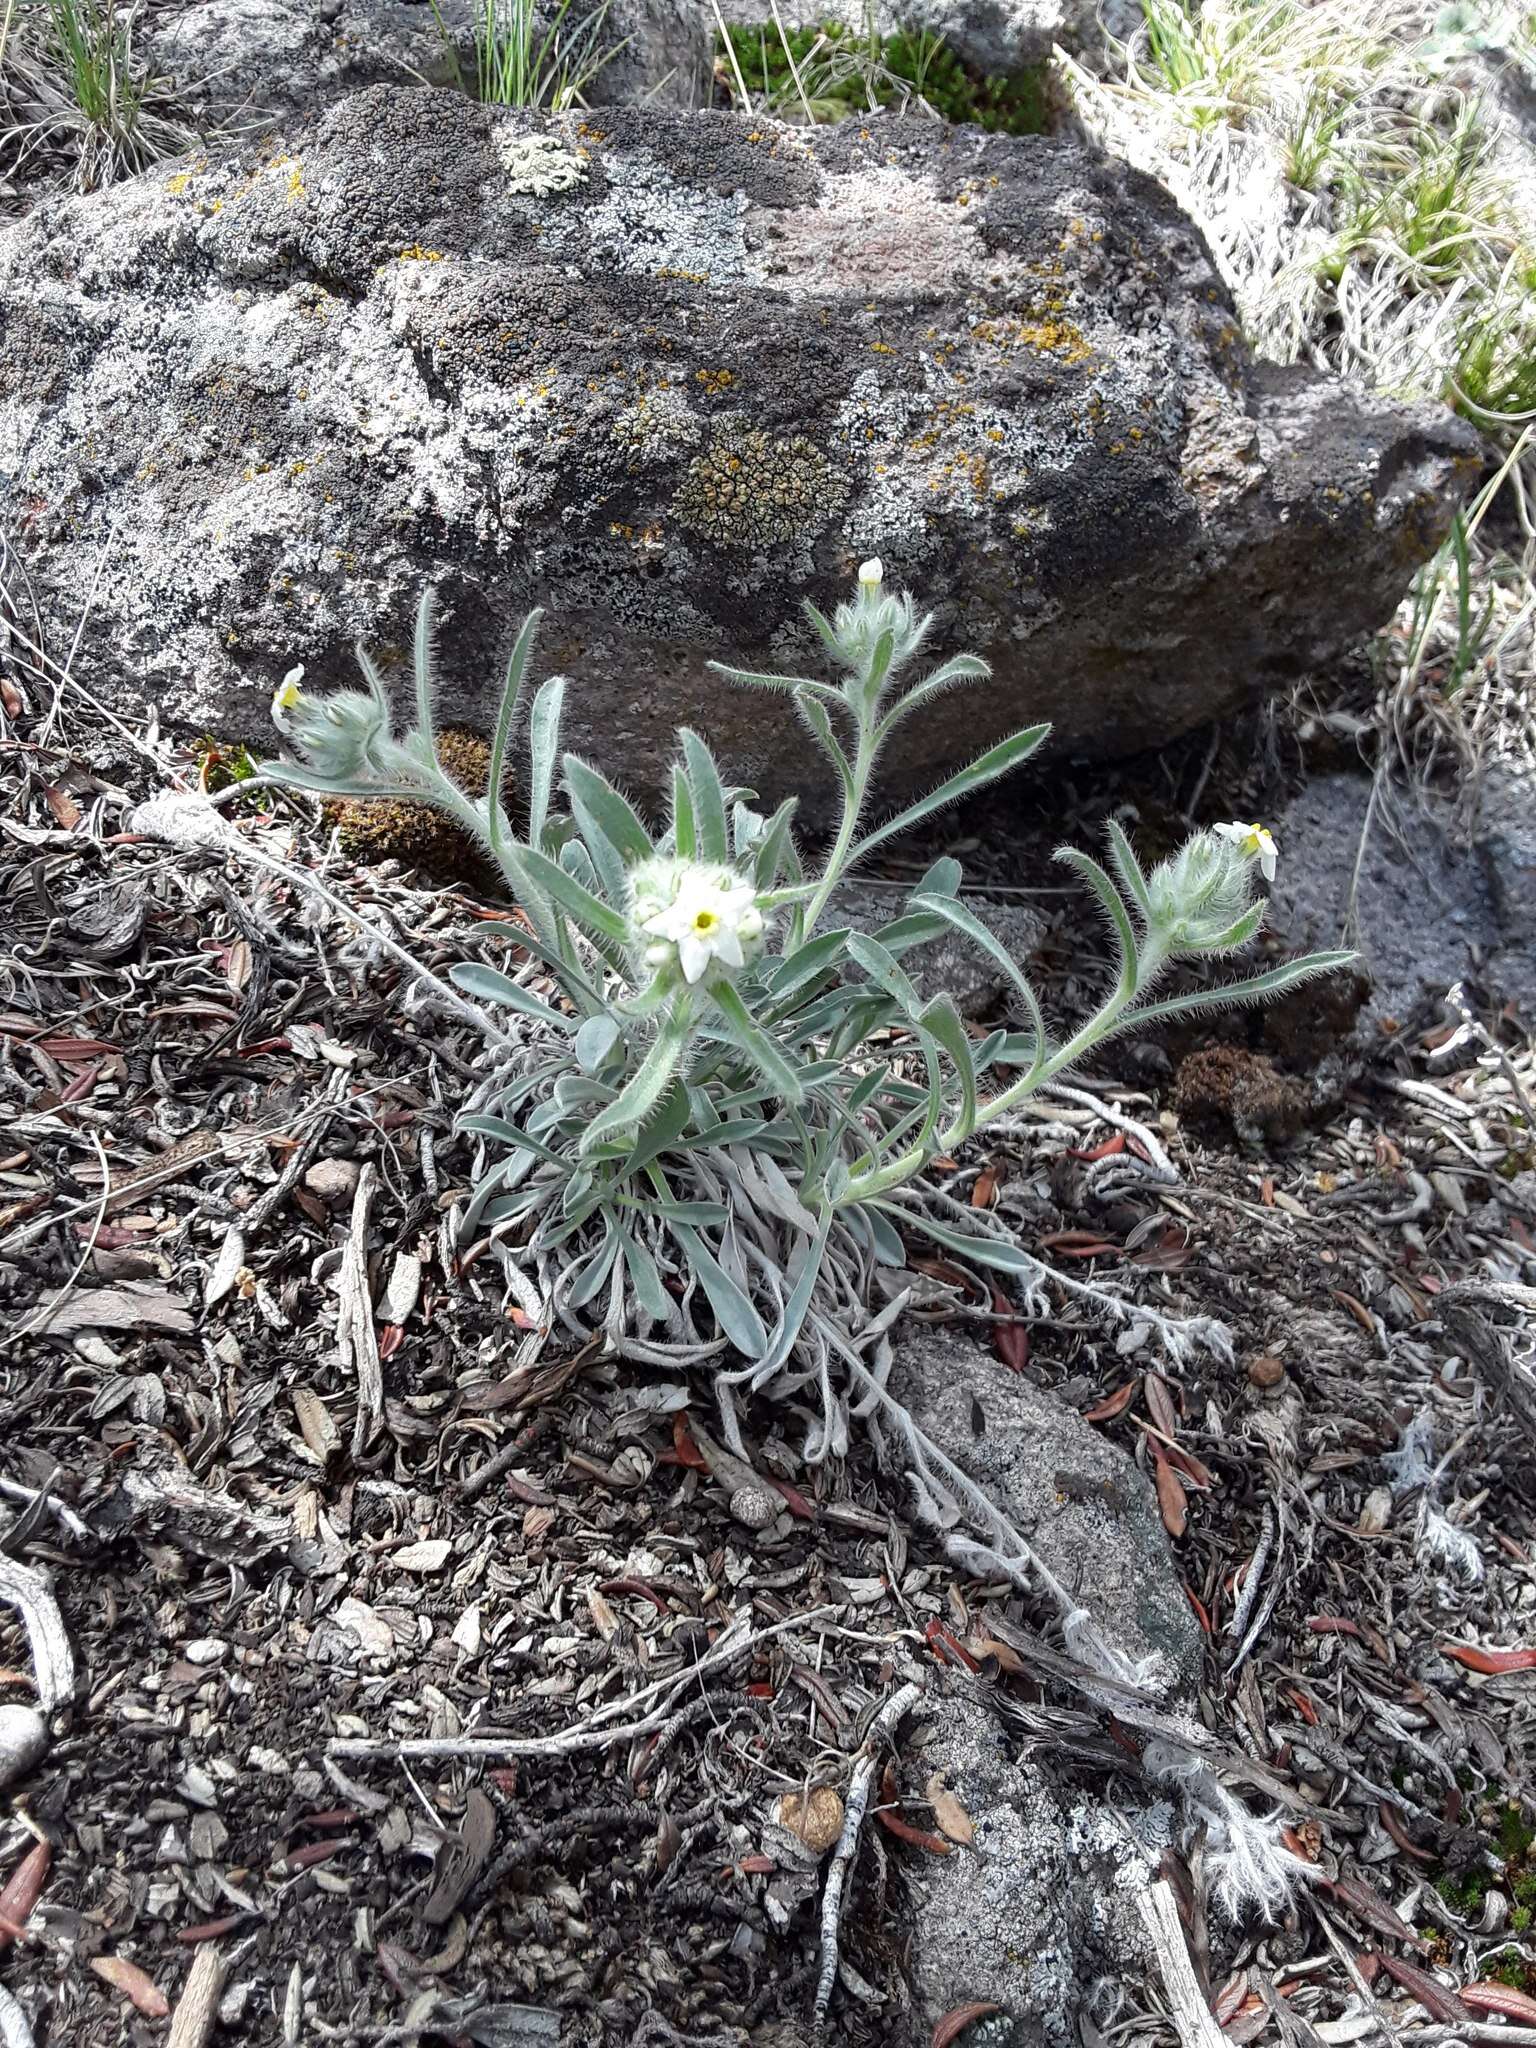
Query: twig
column 593, row 1733
column 198, row 2006
column 1188, row 2010
column 52, row 1657
column 882, row 1728
column 356, row 1338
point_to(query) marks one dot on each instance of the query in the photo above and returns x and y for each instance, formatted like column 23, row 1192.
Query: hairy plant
column 719, row 1115
column 712, row 1120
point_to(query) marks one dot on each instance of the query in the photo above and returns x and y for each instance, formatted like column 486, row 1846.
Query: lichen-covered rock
column 1039, row 1914
column 667, row 375
column 1076, row 1498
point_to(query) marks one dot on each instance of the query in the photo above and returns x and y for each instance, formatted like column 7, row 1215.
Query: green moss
column 841, row 68
column 221, row 764
column 371, row 830
column 748, row 489
column 1511, row 1837
column 1511, row 1968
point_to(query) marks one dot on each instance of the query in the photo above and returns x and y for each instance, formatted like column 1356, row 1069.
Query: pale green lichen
column 749, row 489
column 537, row 165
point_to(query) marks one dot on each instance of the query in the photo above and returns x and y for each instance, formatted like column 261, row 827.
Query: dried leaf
column 1364, row 1900
column 141, row 1991
column 226, row 1268
column 949, row 1813
column 428, row 1556
column 1011, row 1338
column 956, row 2020
column 21, row 1892
column 1112, row 1404
column 1491, row 1662
column 984, row 1191
column 1439, row 2003
column 118, row 1308
column 816, row 1818
column 316, row 1425
column 1172, row 1501
column 1502, row 1999
column 66, row 812
column 1160, row 1403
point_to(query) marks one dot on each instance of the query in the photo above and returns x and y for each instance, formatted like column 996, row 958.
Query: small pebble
column 1266, row 1372
column 23, row 1738
column 333, row 1180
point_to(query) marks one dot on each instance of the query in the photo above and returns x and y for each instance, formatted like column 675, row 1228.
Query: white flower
column 1257, row 842
column 711, row 917
column 288, row 696
column 871, row 574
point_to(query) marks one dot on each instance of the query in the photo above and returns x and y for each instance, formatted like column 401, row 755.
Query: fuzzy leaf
column 708, row 798
column 489, row 985
column 997, row 761
column 738, row 1319
column 1114, row 909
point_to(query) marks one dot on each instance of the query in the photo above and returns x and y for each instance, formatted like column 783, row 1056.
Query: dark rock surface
column 667, row 375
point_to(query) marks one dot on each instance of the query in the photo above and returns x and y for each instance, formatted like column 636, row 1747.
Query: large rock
column 667, row 376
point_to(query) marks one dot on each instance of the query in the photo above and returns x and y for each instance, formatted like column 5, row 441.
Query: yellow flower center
column 705, row 921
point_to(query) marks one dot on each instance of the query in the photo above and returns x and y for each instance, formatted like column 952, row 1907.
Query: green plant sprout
column 710, row 1128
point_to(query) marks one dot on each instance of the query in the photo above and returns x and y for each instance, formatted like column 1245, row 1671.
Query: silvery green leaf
column 506, row 719
column 645, row 1274
column 966, row 921
column 739, row 1321
column 424, row 662
column 594, row 1274
column 1114, row 909
column 543, row 749
column 986, row 1251
column 776, row 854
column 646, row 1087
column 754, row 679
column 594, row 1041
column 814, row 713
column 1007, row 755
column 488, row 985
column 571, row 895
column 685, row 837
column 1122, row 856
column 755, row 1042
column 708, row 798
column 1272, row 983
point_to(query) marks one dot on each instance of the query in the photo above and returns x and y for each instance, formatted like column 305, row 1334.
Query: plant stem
column 853, row 806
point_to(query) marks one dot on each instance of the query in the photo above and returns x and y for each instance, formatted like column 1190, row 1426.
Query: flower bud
column 343, row 737
column 1199, row 895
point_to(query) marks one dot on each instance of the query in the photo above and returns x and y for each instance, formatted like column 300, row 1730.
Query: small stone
column 754, row 1508
column 1266, row 1372
column 23, row 1738
column 333, row 1180
column 816, row 1817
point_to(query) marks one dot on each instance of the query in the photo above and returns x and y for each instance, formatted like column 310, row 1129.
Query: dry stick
column 592, row 1733
column 882, row 1728
column 198, row 2006
column 53, row 1659
column 356, row 1338
column 1189, row 2012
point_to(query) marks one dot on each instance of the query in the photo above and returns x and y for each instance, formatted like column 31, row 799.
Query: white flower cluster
column 694, row 916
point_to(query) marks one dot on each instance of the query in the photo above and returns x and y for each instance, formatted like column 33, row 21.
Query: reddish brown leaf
column 1172, row 1501
column 688, row 1452
column 1160, row 1403
column 793, row 1498
column 1199, row 1606
column 984, row 1190
column 211, row 1930
column 1395, row 1826
column 66, row 812
column 1364, row 1900
column 1357, row 1309
column 945, row 1646
column 1230, row 1999
column 1194, row 1469
column 1112, row 1404
column 1502, row 1999
column 956, row 2020
column 951, row 1816
column 904, row 1831
column 21, row 1892
column 142, row 1992
column 1439, row 2003
column 1010, row 1338
column 1491, row 1661
column 1302, row 1704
